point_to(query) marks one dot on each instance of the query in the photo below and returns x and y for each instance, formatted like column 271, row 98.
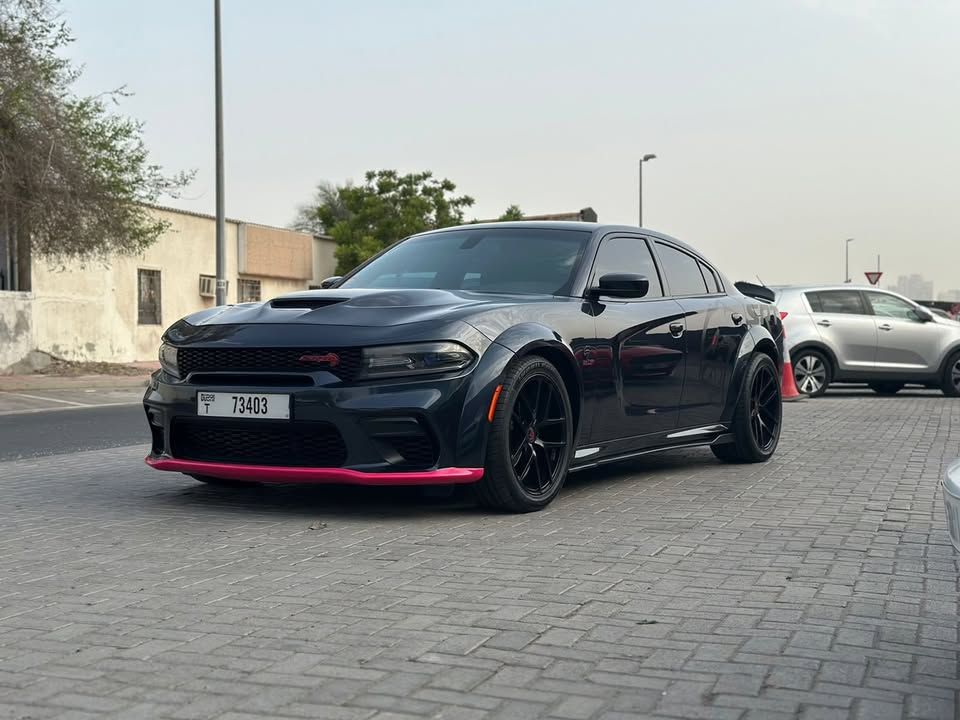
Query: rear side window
column 713, row 284
column 839, row 302
column 682, row 271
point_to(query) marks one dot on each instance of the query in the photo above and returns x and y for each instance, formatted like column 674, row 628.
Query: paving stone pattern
column 820, row 585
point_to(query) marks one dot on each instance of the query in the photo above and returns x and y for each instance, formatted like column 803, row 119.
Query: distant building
column 914, row 287
column 949, row 296
column 587, row 214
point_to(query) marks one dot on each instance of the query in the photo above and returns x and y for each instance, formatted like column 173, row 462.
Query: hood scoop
column 304, row 303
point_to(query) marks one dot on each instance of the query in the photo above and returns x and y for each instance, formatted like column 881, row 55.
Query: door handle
column 676, row 329
column 737, row 318
column 884, row 327
column 824, row 323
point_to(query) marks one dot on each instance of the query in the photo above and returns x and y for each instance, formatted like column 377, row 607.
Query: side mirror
column 621, row 285
column 923, row 315
column 331, row 281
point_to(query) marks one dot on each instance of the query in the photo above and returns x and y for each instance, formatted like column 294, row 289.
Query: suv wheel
column 886, row 388
column 951, row 376
column 812, row 372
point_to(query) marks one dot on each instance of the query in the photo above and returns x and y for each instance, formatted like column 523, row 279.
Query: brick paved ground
column 820, row 585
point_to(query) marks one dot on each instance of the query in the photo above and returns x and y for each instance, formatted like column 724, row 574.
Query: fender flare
column 515, row 342
column 756, row 339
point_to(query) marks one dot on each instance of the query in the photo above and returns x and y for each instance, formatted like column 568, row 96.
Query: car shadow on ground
column 404, row 503
column 865, row 392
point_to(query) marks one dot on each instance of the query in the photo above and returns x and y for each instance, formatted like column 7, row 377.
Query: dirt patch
column 64, row 368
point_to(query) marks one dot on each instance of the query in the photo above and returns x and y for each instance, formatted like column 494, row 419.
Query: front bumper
column 273, row 474
column 392, row 433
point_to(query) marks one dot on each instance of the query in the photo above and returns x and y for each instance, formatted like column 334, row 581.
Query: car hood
column 362, row 308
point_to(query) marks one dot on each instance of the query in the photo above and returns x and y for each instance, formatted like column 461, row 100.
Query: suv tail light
column 783, row 314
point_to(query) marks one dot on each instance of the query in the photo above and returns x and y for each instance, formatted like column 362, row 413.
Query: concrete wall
column 16, row 327
column 89, row 311
column 324, row 259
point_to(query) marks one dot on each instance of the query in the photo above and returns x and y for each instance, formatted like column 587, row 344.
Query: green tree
column 364, row 219
column 74, row 176
column 511, row 213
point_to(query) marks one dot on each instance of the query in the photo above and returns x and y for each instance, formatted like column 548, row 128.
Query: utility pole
column 221, row 220
column 644, row 159
column 847, row 264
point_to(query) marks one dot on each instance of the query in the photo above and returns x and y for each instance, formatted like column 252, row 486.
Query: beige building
column 116, row 311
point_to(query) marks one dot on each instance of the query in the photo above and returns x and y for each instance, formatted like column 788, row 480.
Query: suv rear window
column 839, row 302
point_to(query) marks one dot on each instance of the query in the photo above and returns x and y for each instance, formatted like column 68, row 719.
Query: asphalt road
column 35, row 434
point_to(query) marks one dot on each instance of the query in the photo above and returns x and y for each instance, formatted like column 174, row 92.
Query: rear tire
column 530, row 440
column 758, row 416
column 224, row 482
column 886, row 388
column 951, row 376
column 812, row 372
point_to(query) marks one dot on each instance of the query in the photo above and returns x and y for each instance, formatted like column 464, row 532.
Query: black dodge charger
column 503, row 355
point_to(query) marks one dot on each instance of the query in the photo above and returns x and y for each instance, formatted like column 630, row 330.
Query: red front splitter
column 268, row 474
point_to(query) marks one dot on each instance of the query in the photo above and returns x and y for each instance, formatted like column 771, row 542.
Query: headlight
column 168, row 359
column 422, row 358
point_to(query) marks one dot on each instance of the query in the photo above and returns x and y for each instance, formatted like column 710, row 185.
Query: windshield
column 487, row 260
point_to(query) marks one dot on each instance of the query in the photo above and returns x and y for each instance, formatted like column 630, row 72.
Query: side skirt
column 589, row 457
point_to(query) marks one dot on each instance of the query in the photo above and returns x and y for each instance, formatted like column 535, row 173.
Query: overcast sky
column 781, row 126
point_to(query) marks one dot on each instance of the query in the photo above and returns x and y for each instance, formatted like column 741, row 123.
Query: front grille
column 293, row 444
column 199, row 359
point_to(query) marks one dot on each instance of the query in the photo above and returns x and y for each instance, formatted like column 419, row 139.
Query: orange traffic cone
column 788, row 386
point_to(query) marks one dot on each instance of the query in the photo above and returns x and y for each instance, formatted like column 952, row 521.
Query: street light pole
column 221, row 220
column 847, row 263
column 644, row 159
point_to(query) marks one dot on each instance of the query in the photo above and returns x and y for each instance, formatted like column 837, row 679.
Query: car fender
column 951, row 349
column 516, row 341
column 756, row 339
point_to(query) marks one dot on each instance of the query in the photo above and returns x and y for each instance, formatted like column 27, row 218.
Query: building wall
column 324, row 258
column 89, row 311
column 16, row 327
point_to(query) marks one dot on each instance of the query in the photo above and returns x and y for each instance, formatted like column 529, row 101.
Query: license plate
column 243, row 405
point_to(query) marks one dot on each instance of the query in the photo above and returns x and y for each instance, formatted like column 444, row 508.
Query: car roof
column 836, row 286
column 591, row 227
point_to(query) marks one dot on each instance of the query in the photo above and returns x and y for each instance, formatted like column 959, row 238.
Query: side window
column 713, row 284
column 839, row 302
column 682, row 271
column 627, row 255
column 890, row 306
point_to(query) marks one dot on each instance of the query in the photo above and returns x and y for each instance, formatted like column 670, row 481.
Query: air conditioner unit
column 208, row 286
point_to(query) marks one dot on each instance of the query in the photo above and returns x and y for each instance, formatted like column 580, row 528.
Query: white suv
column 845, row 333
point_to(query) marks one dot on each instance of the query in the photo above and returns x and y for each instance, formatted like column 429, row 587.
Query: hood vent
column 304, row 303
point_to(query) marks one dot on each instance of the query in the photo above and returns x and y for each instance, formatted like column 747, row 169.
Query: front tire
column 886, row 388
column 951, row 376
column 758, row 415
column 812, row 372
column 530, row 440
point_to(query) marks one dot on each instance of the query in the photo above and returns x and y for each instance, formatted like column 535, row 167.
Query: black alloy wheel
column 765, row 407
column 537, row 442
column 530, row 440
column 758, row 416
